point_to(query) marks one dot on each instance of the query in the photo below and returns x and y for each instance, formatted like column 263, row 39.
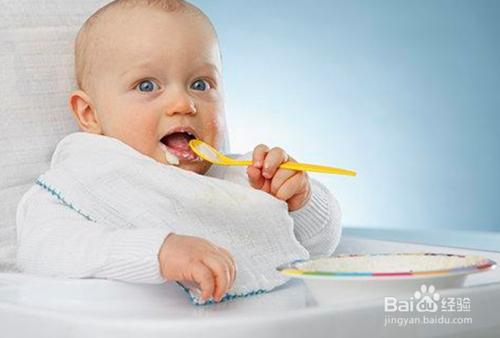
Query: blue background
column 405, row 92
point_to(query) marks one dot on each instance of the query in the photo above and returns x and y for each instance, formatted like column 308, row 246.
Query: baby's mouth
column 177, row 144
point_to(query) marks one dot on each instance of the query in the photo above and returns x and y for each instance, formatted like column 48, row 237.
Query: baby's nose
column 180, row 103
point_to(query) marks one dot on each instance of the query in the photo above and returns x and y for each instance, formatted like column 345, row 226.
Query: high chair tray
column 32, row 306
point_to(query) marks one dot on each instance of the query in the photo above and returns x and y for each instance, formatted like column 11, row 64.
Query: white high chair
column 36, row 75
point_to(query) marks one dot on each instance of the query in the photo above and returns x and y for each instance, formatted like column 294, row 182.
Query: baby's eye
column 201, row 85
column 147, row 86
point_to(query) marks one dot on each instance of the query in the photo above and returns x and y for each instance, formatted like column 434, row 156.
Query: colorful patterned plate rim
column 482, row 264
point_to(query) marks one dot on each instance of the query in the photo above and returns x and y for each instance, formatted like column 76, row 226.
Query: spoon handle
column 305, row 167
column 317, row 168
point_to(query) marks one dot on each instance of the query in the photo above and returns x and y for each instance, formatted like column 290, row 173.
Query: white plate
column 365, row 276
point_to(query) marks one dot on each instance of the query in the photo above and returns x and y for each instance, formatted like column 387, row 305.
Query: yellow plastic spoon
column 212, row 155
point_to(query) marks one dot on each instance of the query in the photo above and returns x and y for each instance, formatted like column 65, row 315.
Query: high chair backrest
column 36, row 75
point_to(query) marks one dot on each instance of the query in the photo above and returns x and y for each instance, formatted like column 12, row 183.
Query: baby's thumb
column 255, row 178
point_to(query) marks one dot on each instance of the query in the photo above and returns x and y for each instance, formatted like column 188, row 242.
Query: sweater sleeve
column 317, row 224
column 54, row 240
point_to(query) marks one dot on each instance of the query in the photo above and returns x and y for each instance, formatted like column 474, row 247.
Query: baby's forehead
column 148, row 24
column 159, row 41
column 122, row 36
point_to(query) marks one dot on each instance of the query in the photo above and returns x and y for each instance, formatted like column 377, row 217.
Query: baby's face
column 158, row 72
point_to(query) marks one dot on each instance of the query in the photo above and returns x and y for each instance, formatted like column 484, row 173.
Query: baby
column 150, row 75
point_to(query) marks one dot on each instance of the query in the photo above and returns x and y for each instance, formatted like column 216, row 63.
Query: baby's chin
column 199, row 167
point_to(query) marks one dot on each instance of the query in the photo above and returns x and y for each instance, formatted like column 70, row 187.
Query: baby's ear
column 84, row 112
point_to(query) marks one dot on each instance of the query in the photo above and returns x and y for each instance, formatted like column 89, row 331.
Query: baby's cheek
column 141, row 133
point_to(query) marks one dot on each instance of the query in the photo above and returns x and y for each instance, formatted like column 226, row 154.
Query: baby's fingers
column 232, row 265
column 205, row 279
column 259, row 153
column 273, row 159
column 255, row 178
column 291, row 186
column 257, row 181
column 280, row 177
column 221, row 273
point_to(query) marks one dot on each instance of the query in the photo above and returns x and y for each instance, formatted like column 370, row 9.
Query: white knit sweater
column 62, row 243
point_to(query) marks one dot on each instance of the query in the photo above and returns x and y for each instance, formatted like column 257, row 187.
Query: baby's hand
column 193, row 259
column 291, row 186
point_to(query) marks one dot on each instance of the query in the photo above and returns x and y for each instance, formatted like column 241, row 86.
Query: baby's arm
column 315, row 211
column 317, row 224
column 55, row 240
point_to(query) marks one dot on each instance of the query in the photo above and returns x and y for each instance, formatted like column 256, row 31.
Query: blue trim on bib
column 58, row 195
column 225, row 298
